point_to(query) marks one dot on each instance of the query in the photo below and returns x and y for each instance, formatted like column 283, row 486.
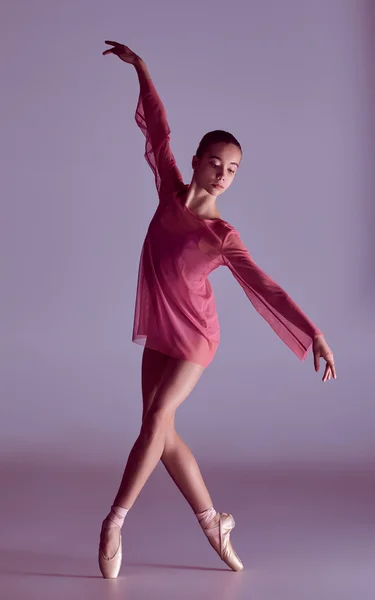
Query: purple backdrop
column 290, row 81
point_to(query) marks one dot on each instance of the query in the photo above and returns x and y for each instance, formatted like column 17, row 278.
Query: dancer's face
column 218, row 164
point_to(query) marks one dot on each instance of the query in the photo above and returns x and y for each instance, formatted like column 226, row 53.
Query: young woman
column 175, row 315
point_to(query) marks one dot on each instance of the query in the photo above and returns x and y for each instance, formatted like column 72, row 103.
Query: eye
column 215, row 165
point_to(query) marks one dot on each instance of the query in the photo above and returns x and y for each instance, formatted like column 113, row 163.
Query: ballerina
column 175, row 316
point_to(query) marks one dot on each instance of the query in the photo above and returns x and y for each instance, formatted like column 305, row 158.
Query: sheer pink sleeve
column 268, row 298
column 151, row 118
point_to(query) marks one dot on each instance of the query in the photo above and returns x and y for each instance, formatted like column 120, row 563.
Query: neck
column 200, row 201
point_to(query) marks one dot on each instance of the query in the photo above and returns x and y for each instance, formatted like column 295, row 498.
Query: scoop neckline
column 193, row 213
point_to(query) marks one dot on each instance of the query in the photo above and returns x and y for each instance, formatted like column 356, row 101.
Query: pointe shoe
column 110, row 567
column 225, row 551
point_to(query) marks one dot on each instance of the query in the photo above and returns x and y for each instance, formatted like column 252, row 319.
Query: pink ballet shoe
column 225, row 549
column 110, row 567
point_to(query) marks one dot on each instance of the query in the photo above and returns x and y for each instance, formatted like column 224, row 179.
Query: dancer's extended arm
column 268, row 298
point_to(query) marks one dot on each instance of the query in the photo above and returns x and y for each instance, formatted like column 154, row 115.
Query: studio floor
column 302, row 534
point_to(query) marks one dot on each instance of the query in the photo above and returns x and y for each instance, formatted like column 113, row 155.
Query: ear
column 194, row 162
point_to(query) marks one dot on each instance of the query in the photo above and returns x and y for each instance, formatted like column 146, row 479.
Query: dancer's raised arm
column 151, row 118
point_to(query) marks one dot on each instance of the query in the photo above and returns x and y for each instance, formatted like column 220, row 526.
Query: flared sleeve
column 151, row 118
column 268, row 298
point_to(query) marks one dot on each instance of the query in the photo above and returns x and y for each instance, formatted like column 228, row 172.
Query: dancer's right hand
column 122, row 52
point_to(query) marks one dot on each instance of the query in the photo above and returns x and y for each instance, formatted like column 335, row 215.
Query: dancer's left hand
column 321, row 349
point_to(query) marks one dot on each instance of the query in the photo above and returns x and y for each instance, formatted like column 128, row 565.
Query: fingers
column 329, row 371
column 327, row 354
column 332, row 366
column 111, row 50
column 327, row 374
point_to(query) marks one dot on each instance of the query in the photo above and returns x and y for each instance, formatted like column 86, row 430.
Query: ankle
column 208, row 517
column 116, row 516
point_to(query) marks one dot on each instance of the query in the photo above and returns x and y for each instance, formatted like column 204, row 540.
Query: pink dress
column 175, row 309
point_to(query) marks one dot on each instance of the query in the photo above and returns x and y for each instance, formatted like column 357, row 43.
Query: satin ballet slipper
column 110, row 567
column 225, row 549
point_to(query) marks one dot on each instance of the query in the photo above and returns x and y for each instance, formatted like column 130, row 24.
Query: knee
column 156, row 423
column 171, row 440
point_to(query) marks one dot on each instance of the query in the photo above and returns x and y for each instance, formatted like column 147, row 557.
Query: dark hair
column 215, row 137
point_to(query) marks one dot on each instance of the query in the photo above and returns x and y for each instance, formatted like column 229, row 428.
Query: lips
column 218, row 185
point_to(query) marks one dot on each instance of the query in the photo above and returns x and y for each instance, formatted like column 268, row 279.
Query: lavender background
column 290, row 80
column 294, row 82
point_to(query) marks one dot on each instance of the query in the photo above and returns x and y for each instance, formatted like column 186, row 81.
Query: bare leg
column 178, row 381
column 142, row 460
column 179, row 378
column 177, row 457
column 184, row 470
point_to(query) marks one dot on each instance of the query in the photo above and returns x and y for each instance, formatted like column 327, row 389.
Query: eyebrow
column 218, row 157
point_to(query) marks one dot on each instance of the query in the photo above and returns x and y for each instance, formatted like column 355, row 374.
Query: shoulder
column 224, row 228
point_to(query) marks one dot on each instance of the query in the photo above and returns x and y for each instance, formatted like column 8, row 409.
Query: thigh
column 177, row 382
column 153, row 366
